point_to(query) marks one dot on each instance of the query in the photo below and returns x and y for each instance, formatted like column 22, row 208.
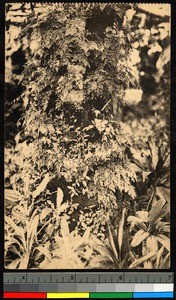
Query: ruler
column 88, row 285
column 84, row 281
column 87, row 277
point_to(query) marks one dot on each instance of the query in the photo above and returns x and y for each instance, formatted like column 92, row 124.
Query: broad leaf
column 41, row 186
column 141, row 260
column 64, row 227
column 14, row 265
column 32, row 230
column 143, row 215
column 111, row 241
column 45, row 212
column 17, row 229
column 154, row 153
column 60, row 196
column 164, row 240
column 12, row 195
column 139, row 237
column 121, row 229
column 159, row 256
column 24, row 261
column 156, row 211
column 152, row 244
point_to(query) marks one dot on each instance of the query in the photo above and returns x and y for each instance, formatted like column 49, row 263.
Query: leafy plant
column 152, row 232
column 89, row 149
column 69, row 251
column 154, row 166
column 21, row 241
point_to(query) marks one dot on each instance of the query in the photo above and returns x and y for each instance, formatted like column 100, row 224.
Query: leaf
column 14, row 264
column 145, row 175
column 152, row 244
column 139, row 237
column 163, row 193
column 62, row 208
column 167, row 257
column 154, row 153
column 41, row 186
column 19, row 214
column 45, row 213
column 86, row 234
column 139, row 261
column 156, row 210
column 13, row 241
column 143, row 215
column 43, row 250
column 111, row 241
column 17, row 230
column 32, row 230
column 60, row 196
column 163, row 227
column 138, row 159
column 64, row 226
column 134, row 221
column 97, row 241
column 164, row 240
column 12, row 195
column 24, row 261
column 158, row 257
column 121, row 230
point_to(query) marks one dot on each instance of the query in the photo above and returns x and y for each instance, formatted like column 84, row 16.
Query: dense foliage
column 87, row 170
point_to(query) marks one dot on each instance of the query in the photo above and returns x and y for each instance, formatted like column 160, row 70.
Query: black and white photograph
column 87, row 136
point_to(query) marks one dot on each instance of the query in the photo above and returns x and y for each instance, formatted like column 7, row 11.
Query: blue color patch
column 154, row 295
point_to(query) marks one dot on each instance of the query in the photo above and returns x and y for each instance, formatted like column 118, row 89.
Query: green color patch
column 112, row 295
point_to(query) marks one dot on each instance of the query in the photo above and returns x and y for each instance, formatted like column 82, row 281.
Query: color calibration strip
column 104, row 295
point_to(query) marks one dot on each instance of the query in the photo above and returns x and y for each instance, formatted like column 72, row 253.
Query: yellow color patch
column 67, row 295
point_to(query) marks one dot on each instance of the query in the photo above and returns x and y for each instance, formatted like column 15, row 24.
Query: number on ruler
column 23, row 278
column 120, row 277
column 72, row 277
